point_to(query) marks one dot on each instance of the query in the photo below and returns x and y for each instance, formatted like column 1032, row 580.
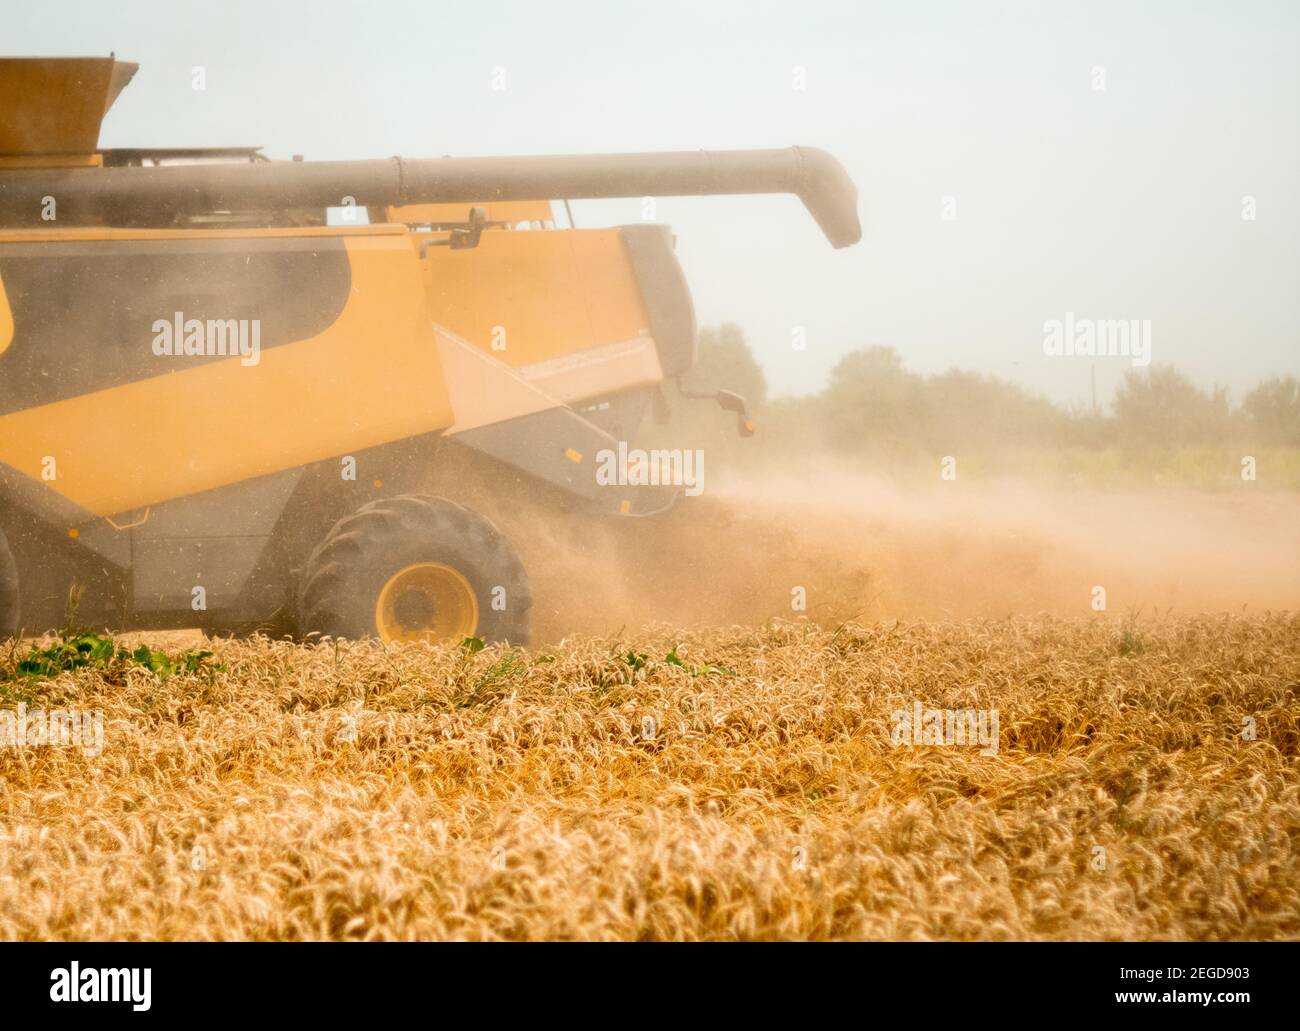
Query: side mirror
column 730, row 401
column 727, row 400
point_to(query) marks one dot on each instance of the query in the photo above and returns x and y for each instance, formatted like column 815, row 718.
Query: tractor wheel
column 8, row 590
column 415, row 569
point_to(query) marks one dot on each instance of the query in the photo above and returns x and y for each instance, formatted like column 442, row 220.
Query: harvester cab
column 218, row 402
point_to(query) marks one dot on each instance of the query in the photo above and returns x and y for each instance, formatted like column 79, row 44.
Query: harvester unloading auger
column 220, row 376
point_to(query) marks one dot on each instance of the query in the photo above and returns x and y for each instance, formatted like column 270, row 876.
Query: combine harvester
column 222, row 378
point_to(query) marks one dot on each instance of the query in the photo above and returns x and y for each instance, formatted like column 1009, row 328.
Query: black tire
column 349, row 570
column 9, row 611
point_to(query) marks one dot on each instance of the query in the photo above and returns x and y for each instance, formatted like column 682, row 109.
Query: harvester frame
column 216, row 402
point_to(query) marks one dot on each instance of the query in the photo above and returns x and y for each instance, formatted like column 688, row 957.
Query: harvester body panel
column 345, row 359
column 149, row 400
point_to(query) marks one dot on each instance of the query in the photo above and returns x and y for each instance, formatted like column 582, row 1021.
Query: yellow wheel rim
column 426, row 602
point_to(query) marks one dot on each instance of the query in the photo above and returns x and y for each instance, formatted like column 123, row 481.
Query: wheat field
column 748, row 787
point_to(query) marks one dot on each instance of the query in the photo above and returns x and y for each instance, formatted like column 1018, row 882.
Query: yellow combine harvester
column 221, row 377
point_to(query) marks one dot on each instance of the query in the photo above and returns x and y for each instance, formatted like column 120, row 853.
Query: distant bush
column 1160, row 406
column 1272, row 410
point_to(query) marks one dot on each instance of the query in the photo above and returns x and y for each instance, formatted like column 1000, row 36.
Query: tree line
column 872, row 403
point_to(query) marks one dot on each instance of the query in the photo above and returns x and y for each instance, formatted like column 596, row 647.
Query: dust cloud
column 865, row 549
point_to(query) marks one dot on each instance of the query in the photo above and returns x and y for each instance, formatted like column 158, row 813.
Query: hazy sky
column 1122, row 203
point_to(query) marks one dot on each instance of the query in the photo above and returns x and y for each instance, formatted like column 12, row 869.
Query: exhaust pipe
column 148, row 196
